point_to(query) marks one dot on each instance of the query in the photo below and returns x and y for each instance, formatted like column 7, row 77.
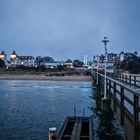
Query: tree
column 41, row 60
column 132, row 64
column 48, row 59
column 77, row 63
column 102, row 58
column 122, row 52
column 68, row 61
column 2, row 64
column 136, row 53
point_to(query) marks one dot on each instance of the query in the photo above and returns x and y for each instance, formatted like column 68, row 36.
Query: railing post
column 95, row 76
column 134, row 80
column 103, row 81
column 99, row 83
column 122, row 105
column 109, row 90
column 126, row 79
column 130, row 79
column 122, row 78
column 136, row 117
column 114, row 98
column 100, row 86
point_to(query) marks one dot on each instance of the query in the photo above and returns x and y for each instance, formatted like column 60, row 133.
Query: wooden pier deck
column 77, row 128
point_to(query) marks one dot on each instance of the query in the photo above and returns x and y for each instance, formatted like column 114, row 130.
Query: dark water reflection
column 29, row 108
column 106, row 125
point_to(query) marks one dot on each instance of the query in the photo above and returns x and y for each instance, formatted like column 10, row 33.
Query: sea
column 28, row 108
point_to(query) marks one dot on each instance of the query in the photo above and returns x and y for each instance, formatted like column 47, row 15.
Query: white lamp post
column 97, row 68
column 105, row 41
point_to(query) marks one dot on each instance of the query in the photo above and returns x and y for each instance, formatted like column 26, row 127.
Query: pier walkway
column 123, row 93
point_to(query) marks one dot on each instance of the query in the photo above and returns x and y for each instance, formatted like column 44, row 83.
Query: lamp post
column 105, row 41
column 97, row 68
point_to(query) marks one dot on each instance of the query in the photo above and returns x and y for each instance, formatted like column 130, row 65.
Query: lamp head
column 105, row 40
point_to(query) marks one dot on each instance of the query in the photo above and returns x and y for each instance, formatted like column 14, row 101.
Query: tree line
column 131, row 64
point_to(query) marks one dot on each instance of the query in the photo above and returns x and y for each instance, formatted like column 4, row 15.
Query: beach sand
column 44, row 77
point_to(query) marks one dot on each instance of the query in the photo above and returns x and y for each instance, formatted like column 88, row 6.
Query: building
column 68, row 64
column 27, row 61
column 3, row 56
column 13, row 58
column 111, row 57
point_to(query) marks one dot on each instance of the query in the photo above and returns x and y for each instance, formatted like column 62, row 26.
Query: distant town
column 126, row 61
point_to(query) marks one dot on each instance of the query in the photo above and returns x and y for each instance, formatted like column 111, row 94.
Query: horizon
column 68, row 58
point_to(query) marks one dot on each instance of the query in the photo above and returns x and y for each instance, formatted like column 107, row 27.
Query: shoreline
column 44, row 77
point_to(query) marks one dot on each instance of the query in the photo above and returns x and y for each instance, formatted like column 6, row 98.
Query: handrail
column 137, row 75
column 136, row 92
column 131, row 79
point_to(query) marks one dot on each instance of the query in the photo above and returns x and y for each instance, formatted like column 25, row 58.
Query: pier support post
column 105, row 105
column 98, row 87
column 106, row 102
column 99, row 84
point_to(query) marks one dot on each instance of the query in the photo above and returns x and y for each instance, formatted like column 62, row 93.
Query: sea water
column 29, row 108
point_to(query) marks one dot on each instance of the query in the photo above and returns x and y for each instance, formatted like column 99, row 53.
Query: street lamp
column 97, row 68
column 105, row 41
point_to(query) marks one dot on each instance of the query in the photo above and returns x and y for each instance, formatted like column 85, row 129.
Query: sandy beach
column 44, row 77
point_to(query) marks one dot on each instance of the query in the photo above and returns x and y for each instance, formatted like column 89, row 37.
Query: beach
column 44, row 77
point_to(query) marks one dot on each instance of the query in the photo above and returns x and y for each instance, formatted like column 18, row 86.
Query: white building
column 27, row 61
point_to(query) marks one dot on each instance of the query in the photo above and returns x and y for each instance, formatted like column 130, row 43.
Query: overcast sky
column 69, row 28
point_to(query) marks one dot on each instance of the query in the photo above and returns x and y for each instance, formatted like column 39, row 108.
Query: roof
column 2, row 53
column 25, row 57
column 13, row 53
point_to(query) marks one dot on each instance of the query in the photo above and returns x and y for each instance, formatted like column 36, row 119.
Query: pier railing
column 131, row 79
column 124, row 101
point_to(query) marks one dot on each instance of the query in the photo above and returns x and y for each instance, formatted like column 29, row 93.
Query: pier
column 123, row 98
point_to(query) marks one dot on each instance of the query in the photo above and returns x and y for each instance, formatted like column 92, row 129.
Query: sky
column 66, row 29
